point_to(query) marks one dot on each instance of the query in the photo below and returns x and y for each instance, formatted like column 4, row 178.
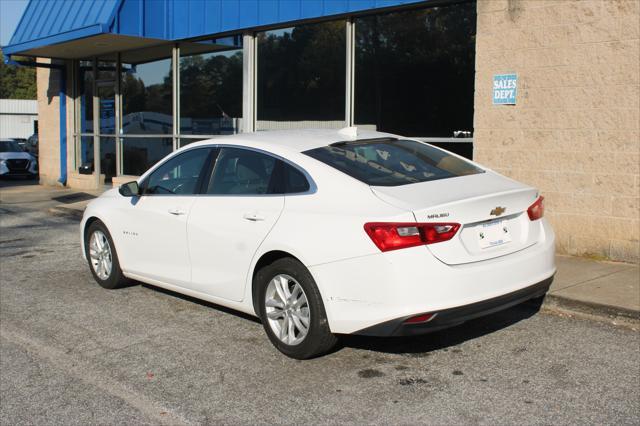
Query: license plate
column 493, row 234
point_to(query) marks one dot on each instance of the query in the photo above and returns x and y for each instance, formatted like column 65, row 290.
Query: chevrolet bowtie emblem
column 498, row 211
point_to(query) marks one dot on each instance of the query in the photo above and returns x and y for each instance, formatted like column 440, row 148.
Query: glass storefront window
column 147, row 98
column 86, row 150
column 106, row 85
column 302, row 76
column 186, row 141
column 211, row 86
column 85, row 91
column 414, row 71
column 108, row 157
column 139, row 154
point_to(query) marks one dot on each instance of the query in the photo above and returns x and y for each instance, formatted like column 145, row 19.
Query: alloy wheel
column 287, row 309
column 100, row 255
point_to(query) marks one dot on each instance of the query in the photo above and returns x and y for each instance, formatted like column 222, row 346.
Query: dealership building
column 546, row 92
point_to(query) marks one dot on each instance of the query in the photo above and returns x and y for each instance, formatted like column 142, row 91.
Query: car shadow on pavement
column 421, row 345
column 199, row 302
column 417, row 346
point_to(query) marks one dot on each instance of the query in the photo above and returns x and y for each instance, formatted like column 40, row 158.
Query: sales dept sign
column 505, row 89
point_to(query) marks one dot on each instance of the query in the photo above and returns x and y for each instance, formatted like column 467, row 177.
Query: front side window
column 178, row 176
column 392, row 162
column 242, row 172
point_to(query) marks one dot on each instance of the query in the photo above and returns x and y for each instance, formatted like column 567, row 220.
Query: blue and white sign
column 505, row 89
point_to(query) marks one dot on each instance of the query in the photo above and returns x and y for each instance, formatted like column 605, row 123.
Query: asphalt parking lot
column 73, row 353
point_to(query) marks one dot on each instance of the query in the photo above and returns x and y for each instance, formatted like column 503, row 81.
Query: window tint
column 241, row 172
column 295, row 181
column 180, row 175
column 392, row 162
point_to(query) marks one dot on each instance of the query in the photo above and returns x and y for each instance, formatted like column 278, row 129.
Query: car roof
column 294, row 140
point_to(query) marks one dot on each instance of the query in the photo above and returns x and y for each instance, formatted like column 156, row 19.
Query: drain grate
column 74, row 198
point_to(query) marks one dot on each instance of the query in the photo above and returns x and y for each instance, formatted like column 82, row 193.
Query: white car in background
column 15, row 162
column 324, row 232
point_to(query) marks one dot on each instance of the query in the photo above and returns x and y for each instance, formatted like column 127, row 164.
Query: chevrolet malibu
column 323, row 232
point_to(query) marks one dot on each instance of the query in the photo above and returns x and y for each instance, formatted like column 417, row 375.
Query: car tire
column 109, row 278
column 318, row 339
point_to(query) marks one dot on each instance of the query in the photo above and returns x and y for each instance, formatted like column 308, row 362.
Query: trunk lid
column 491, row 208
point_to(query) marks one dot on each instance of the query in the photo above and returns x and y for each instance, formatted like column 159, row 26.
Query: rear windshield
column 392, row 162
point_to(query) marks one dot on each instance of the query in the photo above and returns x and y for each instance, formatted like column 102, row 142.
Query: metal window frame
column 249, row 90
column 350, row 40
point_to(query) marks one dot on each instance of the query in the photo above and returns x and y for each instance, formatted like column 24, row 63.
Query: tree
column 17, row 82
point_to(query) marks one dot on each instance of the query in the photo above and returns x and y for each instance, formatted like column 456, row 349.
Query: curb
column 591, row 310
column 65, row 212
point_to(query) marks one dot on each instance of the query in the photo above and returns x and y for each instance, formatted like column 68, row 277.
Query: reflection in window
column 301, row 76
column 186, row 141
column 140, row 154
column 211, row 86
column 147, row 98
column 414, row 71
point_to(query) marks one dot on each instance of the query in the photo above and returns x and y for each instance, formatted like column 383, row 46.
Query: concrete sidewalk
column 582, row 287
column 604, row 289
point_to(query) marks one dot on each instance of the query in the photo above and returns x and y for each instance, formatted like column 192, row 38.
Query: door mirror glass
column 129, row 189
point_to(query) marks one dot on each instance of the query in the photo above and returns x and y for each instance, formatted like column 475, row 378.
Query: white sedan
column 325, row 232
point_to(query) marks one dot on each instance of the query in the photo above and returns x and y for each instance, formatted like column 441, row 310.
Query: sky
column 10, row 14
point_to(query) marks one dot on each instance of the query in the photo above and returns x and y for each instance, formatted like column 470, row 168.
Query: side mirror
column 129, row 189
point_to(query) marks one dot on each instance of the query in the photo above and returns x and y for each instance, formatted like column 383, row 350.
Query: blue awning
column 82, row 28
column 49, row 22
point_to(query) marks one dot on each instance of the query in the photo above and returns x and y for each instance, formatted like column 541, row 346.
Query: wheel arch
column 265, row 259
column 91, row 219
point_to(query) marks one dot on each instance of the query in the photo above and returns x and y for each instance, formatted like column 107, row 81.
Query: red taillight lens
column 393, row 236
column 536, row 210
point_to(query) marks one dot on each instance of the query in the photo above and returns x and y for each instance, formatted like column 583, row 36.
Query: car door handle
column 253, row 217
column 176, row 212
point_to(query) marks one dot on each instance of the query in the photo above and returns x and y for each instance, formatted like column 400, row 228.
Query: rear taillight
column 393, row 236
column 536, row 210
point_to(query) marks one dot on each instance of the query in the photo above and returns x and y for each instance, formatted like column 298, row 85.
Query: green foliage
column 17, row 82
column 301, row 73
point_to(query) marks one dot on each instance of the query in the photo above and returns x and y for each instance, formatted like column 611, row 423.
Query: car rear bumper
column 455, row 316
column 361, row 293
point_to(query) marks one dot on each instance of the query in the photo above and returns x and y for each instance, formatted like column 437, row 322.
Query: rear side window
column 392, row 162
column 295, row 181
column 241, row 172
